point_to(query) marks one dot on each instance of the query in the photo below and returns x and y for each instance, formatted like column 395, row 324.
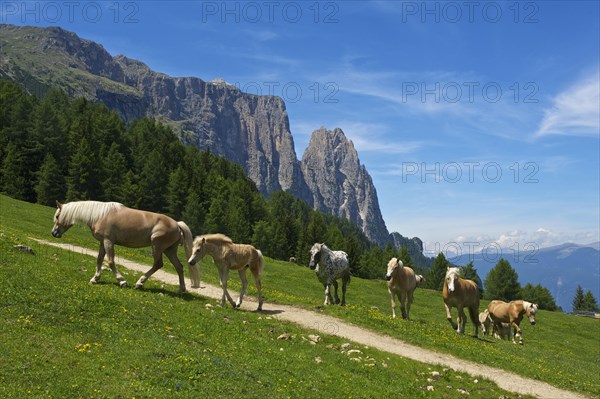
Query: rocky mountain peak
column 339, row 184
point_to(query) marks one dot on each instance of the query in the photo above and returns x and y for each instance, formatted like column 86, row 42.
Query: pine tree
column 437, row 273
column 405, row 257
column 502, row 282
column 51, row 184
column 114, row 171
column 82, row 182
column 194, row 212
column 470, row 273
column 177, row 190
column 540, row 295
column 589, row 302
column 14, row 173
column 578, row 299
column 154, row 180
column 262, row 237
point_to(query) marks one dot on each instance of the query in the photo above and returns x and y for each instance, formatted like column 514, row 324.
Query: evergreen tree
column 262, row 237
column 114, row 171
column 405, row 257
column 437, row 273
column 470, row 273
column 502, row 282
column 353, row 249
column 51, row 184
column 14, row 173
column 194, row 212
column 83, row 175
column 589, row 302
column 177, row 191
column 154, row 180
column 578, row 299
column 540, row 295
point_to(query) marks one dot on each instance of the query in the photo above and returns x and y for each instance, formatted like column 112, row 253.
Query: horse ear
column 58, row 205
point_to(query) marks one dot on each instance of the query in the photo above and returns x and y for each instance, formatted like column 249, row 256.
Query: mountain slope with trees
column 55, row 147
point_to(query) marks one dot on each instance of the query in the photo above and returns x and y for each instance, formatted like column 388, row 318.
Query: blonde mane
column 86, row 212
column 217, row 238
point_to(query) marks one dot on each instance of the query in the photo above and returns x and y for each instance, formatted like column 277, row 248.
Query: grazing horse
column 229, row 256
column 420, row 280
column 329, row 266
column 401, row 282
column 113, row 224
column 460, row 293
column 512, row 313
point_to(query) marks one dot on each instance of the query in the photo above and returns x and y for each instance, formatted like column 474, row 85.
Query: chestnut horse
column 512, row 313
column 460, row 293
column 229, row 256
column 112, row 224
column 401, row 282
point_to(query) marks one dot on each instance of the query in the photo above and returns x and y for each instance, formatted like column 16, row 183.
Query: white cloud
column 575, row 111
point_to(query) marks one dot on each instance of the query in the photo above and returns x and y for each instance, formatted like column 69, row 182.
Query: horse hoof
column 93, row 281
column 123, row 284
column 138, row 286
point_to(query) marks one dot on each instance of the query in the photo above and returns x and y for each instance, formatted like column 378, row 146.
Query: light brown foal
column 113, row 224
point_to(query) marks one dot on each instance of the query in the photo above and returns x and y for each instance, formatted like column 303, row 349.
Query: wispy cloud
column 375, row 137
column 575, row 111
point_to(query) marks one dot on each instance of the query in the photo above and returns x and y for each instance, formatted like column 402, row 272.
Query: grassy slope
column 61, row 337
column 561, row 349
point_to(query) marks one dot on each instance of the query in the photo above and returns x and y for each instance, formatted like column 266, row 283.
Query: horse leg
column 158, row 263
column 409, row 302
column 171, row 253
column 449, row 317
column 224, row 278
column 344, row 284
column 403, row 304
column 110, row 254
column 101, row 253
column 327, row 294
column 242, row 273
column 474, row 319
column 335, row 292
column 259, row 288
column 393, row 300
column 462, row 320
column 518, row 333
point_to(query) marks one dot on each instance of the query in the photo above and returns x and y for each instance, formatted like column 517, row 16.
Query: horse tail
column 261, row 262
column 187, row 241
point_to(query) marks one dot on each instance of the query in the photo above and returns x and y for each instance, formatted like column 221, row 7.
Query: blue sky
column 478, row 121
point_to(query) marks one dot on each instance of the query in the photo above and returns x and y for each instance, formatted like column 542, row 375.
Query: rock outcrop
column 339, row 184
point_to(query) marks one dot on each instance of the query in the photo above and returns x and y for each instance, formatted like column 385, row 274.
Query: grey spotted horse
column 330, row 266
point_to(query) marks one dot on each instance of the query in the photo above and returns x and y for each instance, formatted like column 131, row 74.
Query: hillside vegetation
column 561, row 349
column 73, row 149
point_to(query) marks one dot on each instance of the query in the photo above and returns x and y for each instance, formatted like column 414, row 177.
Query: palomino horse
column 460, row 293
column 401, row 282
column 485, row 321
column 113, row 224
column 330, row 266
column 229, row 256
column 512, row 313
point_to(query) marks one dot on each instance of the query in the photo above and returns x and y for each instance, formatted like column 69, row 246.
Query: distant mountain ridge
column 559, row 268
column 247, row 129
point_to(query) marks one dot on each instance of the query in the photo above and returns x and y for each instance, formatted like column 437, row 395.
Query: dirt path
column 331, row 325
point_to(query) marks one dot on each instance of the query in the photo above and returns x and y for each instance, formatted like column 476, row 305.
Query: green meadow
column 61, row 337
